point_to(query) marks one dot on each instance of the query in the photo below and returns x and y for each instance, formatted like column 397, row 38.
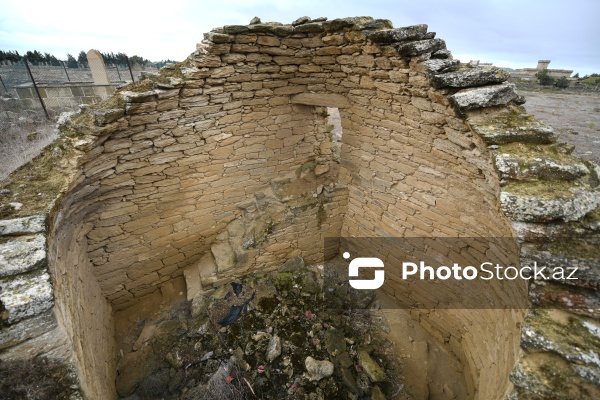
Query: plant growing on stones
column 544, row 78
column 562, row 82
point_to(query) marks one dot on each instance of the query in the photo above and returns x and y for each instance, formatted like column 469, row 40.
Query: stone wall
column 225, row 164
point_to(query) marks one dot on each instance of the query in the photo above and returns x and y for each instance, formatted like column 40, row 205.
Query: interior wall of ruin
column 83, row 311
column 414, row 169
column 228, row 157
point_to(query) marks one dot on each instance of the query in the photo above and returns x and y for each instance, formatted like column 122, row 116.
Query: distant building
column 529, row 73
column 476, row 63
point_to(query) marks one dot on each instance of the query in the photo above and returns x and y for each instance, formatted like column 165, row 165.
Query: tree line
column 38, row 58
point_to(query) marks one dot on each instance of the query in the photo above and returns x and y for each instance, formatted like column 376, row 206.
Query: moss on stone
column 515, row 118
column 575, row 247
column 543, row 189
column 564, row 329
column 530, row 151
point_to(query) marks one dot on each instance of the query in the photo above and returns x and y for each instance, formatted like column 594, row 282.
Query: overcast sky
column 508, row 33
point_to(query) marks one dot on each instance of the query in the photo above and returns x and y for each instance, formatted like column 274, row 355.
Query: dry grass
column 21, row 142
column 36, row 379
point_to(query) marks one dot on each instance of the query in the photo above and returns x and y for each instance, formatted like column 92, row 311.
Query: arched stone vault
column 223, row 165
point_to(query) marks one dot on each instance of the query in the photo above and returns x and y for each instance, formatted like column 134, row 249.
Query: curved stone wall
column 225, row 164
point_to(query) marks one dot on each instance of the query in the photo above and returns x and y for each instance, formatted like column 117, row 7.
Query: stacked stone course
column 225, row 164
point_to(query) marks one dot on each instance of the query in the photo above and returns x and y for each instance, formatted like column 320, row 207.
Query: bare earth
column 576, row 117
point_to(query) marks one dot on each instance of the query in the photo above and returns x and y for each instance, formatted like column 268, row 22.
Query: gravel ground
column 576, row 117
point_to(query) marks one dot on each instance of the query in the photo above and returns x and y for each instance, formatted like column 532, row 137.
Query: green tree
column 162, row 63
column 82, row 58
column 562, row 82
column 71, row 61
column 544, row 78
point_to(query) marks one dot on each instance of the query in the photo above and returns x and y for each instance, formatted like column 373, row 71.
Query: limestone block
column 531, row 208
column 192, row 281
column 218, row 37
column 414, row 32
column 470, row 77
column 209, row 60
column 23, row 226
column 268, row 41
column 371, row 368
column 318, row 370
column 321, row 99
column 207, row 266
column 524, row 131
column 22, row 254
column 301, row 21
column 311, row 27
column 438, row 66
column 486, row 96
column 334, row 40
column 27, row 329
column 106, row 116
column 26, row 295
column 221, row 48
column 421, row 47
column 376, row 24
column 512, row 166
column 339, row 24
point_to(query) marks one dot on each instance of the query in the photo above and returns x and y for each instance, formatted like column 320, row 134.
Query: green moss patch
column 543, row 189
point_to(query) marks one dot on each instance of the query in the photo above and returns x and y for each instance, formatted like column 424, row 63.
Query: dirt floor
column 576, row 117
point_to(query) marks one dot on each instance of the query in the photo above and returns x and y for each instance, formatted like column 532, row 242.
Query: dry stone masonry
column 225, row 164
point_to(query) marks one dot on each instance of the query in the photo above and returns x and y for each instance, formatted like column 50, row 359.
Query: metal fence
column 43, row 91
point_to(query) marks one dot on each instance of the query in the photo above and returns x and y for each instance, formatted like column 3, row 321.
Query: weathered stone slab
column 301, row 20
column 421, row 47
column 583, row 254
column 414, row 32
column 376, row 24
column 339, row 24
column 192, row 281
column 218, row 37
column 470, row 77
column 25, row 296
column 370, row 366
column 547, row 336
column 233, row 29
column 224, row 256
column 23, row 226
column 27, row 329
column 103, row 117
column 21, row 255
column 487, row 96
column 539, row 209
column 498, row 132
column 321, row 99
column 311, row 27
column 512, row 166
column 437, row 65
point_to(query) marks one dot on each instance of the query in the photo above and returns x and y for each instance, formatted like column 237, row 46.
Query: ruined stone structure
column 529, row 73
column 224, row 165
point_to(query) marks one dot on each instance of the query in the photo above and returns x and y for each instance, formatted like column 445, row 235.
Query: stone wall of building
column 225, row 164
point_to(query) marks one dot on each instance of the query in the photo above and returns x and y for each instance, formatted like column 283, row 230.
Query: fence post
column 36, row 88
column 3, row 85
column 66, row 73
column 129, row 65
